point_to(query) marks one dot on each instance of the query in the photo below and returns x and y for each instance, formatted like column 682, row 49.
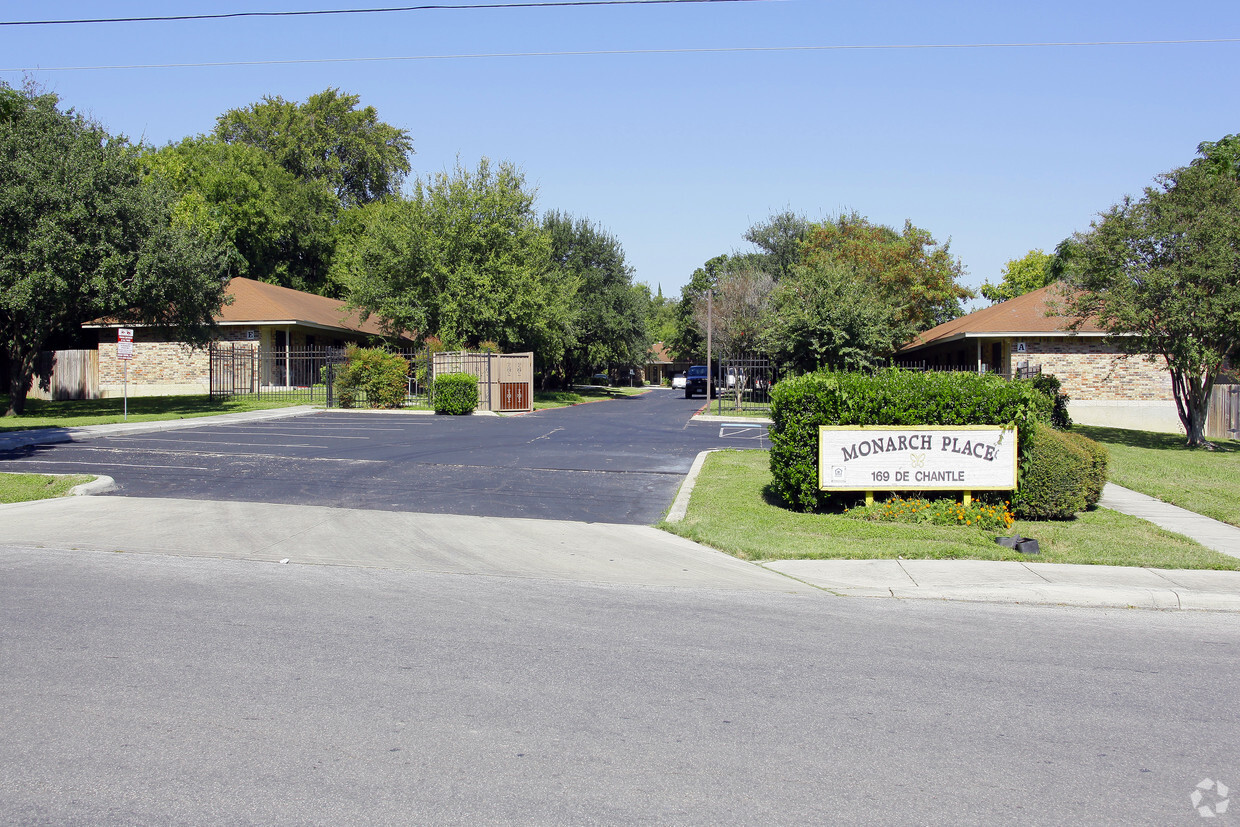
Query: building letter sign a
column 917, row 458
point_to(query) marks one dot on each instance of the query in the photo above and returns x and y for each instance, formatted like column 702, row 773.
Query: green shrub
column 456, row 394
column 1048, row 383
column 1099, row 457
column 1055, row 478
column 372, row 374
column 888, row 397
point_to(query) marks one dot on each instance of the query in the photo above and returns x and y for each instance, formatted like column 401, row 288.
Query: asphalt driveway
column 616, row 461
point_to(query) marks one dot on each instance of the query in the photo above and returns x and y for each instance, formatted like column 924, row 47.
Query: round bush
column 1056, row 476
column 373, row 373
column 456, row 394
column 1099, row 457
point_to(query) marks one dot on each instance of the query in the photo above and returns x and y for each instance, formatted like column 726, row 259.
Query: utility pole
column 710, row 324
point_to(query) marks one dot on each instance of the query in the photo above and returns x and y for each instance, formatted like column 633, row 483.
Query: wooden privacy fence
column 1223, row 417
column 66, row 374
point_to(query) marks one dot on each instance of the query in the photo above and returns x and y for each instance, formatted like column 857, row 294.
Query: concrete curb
column 1050, row 584
column 99, row 485
column 680, row 506
column 50, row 436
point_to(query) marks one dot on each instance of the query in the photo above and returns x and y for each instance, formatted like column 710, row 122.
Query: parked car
column 601, row 379
column 696, row 381
column 679, row 381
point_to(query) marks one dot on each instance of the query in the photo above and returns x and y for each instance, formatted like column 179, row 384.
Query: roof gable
column 1036, row 313
column 258, row 303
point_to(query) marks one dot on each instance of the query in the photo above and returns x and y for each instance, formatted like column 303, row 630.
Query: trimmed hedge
column 1099, row 458
column 1055, row 478
column 373, row 374
column 887, row 397
column 456, row 393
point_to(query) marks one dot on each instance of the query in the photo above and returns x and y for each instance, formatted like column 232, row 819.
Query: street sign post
column 124, row 352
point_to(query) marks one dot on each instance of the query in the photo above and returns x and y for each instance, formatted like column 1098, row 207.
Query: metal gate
column 744, row 384
column 234, row 369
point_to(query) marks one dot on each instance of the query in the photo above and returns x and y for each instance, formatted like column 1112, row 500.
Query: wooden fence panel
column 66, row 374
column 1223, row 419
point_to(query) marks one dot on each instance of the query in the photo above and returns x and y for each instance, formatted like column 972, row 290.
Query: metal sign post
column 124, row 352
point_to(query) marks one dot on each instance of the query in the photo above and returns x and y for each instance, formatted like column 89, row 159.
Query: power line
column 429, row 7
column 606, row 52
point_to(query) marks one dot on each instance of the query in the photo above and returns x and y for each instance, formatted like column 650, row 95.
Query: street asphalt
column 578, row 551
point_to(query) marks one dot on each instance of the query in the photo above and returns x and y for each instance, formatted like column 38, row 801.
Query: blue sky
column 676, row 153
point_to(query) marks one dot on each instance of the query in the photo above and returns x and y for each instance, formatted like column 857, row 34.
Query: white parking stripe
column 178, row 440
column 213, row 454
column 96, row 464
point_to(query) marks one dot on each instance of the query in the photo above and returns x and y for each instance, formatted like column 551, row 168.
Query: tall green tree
column 328, row 138
column 689, row 342
column 607, row 314
column 910, row 271
column 780, row 238
column 464, row 259
column 281, row 228
column 822, row 316
column 82, row 235
column 1020, row 276
column 1162, row 273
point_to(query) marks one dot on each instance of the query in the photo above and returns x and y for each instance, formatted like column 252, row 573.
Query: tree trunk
column 20, row 373
column 1192, row 402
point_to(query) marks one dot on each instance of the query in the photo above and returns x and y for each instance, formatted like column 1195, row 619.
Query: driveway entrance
column 617, row 461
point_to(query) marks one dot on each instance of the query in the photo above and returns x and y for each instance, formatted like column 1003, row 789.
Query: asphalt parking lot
column 616, row 461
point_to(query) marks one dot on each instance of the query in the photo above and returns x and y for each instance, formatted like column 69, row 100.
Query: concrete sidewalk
column 1021, row 582
column 1210, row 533
column 600, row 553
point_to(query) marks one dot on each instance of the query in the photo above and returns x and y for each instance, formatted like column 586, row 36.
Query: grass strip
column 1162, row 466
column 732, row 510
column 20, row 488
column 76, row 413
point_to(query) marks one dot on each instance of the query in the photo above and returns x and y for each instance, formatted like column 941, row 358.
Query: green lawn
column 1160, row 465
column 580, row 394
column 731, row 510
column 41, row 413
column 17, row 488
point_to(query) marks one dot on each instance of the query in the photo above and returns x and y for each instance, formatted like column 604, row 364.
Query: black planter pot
column 1024, row 545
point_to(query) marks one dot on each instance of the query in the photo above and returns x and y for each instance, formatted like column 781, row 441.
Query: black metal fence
column 1021, row 370
column 743, row 384
column 288, row 375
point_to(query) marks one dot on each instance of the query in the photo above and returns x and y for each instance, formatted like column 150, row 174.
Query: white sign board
column 124, row 350
column 916, row 458
column 124, row 334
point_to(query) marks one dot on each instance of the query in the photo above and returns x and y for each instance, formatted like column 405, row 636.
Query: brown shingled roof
column 1025, row 315
column 256, row 302
column 659, row 354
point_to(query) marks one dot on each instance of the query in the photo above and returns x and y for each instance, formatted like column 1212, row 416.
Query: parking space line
column 221, row 454
column 211, row 442
column 97, row 464
column 280, row 433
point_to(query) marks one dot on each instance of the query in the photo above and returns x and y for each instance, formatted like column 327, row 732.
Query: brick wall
column 157, row 361
column 1094, row 369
